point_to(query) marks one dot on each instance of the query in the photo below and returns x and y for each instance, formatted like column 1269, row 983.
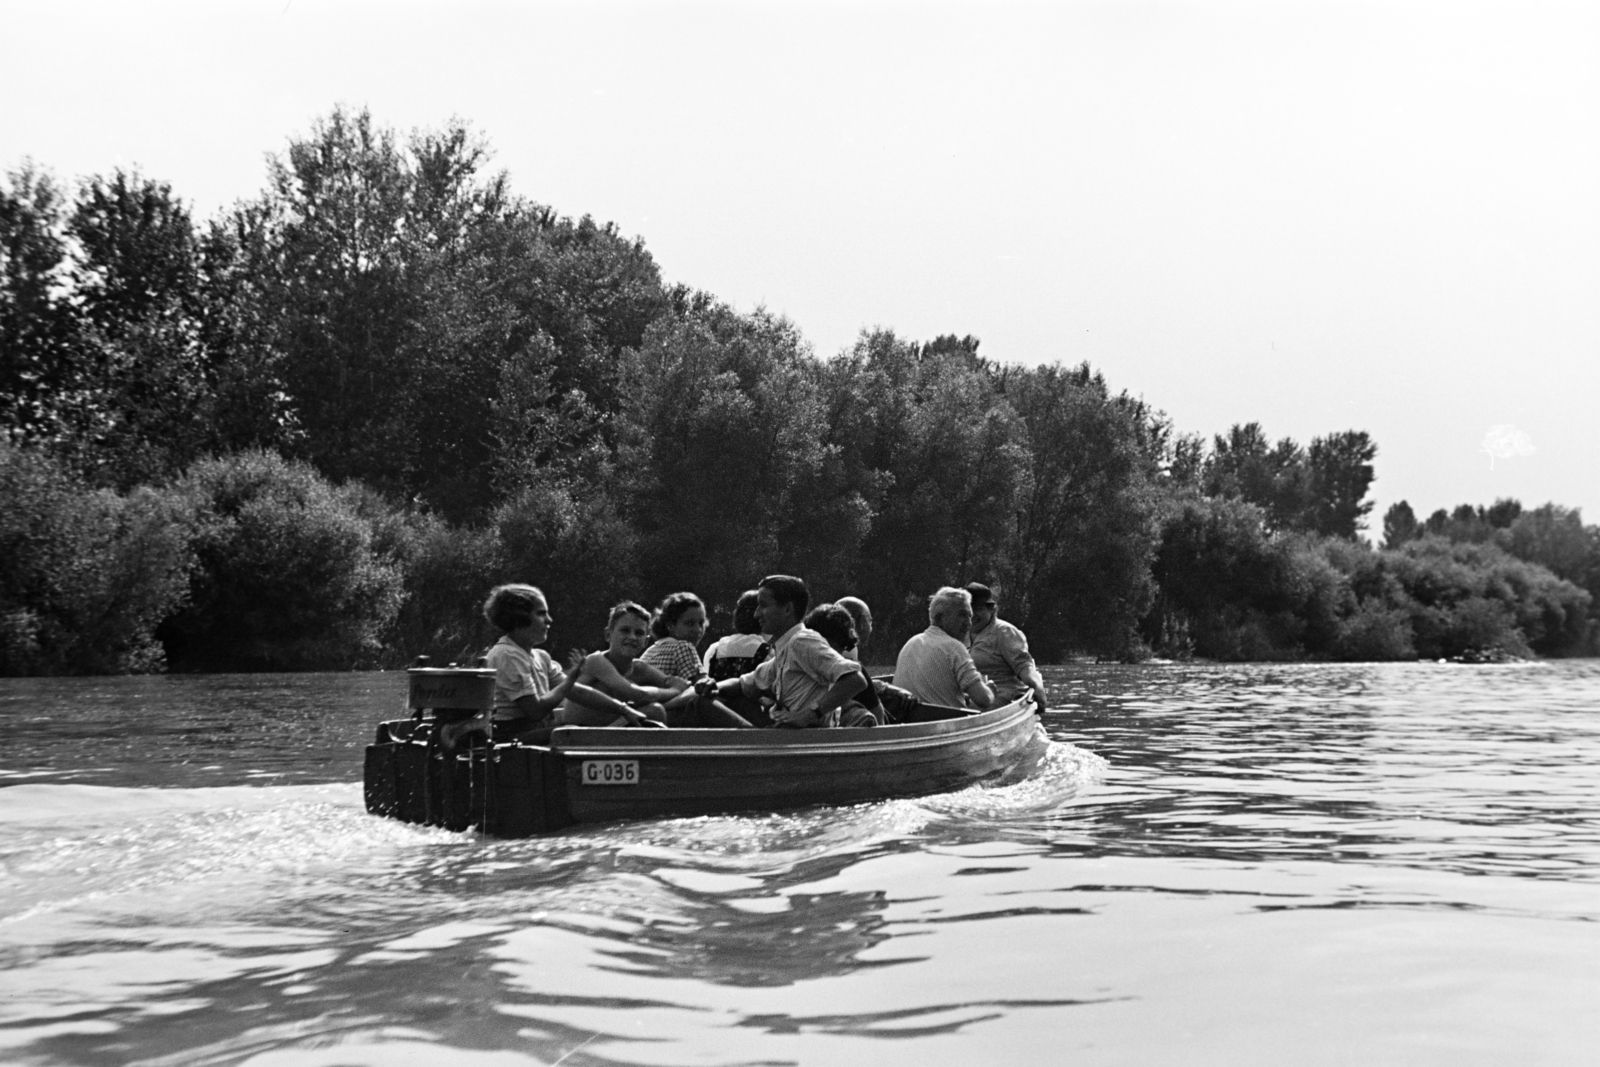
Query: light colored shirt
column 936, row 668
column 734, row 647
column 520, row 673
column 802, row 669
column 675, row 657
column 1000, row 651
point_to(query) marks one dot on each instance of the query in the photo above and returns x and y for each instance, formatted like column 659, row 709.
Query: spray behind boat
column 500, row 789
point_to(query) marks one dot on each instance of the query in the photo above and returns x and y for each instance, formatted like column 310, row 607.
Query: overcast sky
column 1315, row 216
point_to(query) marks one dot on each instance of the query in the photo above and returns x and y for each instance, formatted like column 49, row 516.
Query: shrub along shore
column 311, row 432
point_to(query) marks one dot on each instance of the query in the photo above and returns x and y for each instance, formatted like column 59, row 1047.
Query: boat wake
column 66, row 846
column 104, row 850
column 741, row 843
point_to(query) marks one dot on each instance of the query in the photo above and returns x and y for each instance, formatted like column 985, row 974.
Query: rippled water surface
column 1391, row 864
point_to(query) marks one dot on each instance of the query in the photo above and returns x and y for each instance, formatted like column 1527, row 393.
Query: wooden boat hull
column 599, row 774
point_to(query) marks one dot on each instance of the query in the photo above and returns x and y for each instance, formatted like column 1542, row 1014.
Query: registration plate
column 610, row 772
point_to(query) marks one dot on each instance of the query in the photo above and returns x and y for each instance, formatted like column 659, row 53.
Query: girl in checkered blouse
column 683, row 617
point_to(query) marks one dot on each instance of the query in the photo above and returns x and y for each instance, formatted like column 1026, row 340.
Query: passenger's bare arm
column 980, row 694
column 538, row 707
column 841, row 691
column 1035, row 681
column 608, row 678
column 648, row 674
column 595, row 700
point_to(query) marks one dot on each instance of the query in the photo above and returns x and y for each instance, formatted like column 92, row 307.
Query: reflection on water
column 1213, row 864
column 1482, row 771
column 193, row 730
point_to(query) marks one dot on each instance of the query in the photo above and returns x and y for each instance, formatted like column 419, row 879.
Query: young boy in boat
column 619, row 672
column 528, row 684
column 808, row 679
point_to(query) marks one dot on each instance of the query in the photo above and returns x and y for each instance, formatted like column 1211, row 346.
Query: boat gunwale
column 714, row 743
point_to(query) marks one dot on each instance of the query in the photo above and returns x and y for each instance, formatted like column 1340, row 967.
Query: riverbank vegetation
column 309, row 433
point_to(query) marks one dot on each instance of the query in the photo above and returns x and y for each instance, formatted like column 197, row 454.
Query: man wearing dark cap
column 1000, row 650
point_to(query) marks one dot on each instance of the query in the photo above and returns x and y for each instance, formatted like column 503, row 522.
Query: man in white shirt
column 935, row 665
column 806, row 677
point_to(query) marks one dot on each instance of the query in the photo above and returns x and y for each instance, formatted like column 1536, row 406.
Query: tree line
column 309, row 432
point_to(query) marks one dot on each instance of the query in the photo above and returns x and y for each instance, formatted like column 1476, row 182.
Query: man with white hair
column 935, row 664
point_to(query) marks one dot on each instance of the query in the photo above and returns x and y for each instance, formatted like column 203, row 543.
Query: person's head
column 950, row 609
column 519, row 610
column 683, row 615
column 983, row 603
column 861, row 615
column 783, row 600
column 745, row 617
column 835, row 625
column 628, row 629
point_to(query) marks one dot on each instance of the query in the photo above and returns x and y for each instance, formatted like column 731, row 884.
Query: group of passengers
column 783, row 666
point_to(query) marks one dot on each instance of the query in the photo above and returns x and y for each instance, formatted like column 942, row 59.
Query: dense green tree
column 1466, row 597
column 1077, row 572
column 410, row 293
column 574, row 544
column 286, row 575
column 1340, row 466
column 85, row 575
column 345, row 228
column 1470, row 524
column 1186, row 463
column 1555, row 538
column 1400, row 525
column 1502, row 513
column 118, row 349
column 251, row 406
column 1219, row 594
column 485, row 390
column 943, row 455
column 136, row 289
column 40, row 380
column 1244, row 465
column 1551, row 537
column 728, row 471
column 1317, row 490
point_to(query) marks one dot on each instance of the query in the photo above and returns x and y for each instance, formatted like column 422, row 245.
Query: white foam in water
column 758, row 844
column 38, row 804
column 67, row 845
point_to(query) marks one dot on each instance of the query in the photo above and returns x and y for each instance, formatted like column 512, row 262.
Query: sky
column 1315, row 216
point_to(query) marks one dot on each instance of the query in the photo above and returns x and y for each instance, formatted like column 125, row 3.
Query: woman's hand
column 575, row 660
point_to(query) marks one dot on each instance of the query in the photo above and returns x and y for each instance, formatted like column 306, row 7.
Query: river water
column 1395, row 864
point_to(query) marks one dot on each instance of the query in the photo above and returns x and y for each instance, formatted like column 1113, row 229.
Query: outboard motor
column 408, row 774
column 506, row 790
